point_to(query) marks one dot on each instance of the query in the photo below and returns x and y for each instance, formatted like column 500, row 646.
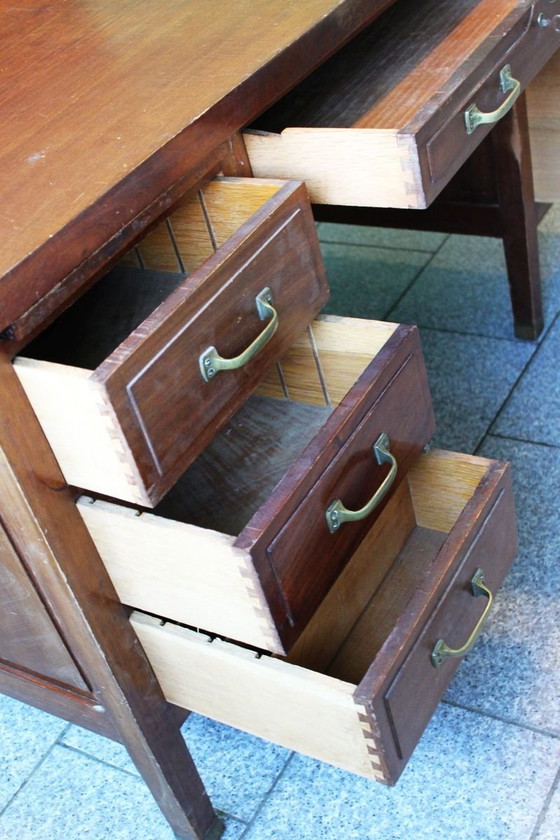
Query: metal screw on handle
column 210, row 362
column 545, row 21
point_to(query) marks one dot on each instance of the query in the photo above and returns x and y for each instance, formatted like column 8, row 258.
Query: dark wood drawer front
column 305, row 556
column 363, row 665
column 241, row 544
column 168, row 409
column 518, row 56
column 419, row 686
column 382, row 124
column 118, row 382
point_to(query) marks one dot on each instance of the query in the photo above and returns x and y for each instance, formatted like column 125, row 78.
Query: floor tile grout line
column 501, row 719
column 266, row 796
column 524, row 369
column 416, row 277
column 522, row 440
column 376, row 247
column 102, row 761
column 546, row 805
column 36, row 767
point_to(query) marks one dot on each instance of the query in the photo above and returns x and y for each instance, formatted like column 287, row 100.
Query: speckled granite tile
column 464, row 288
column 26, row 735
column 366, row 282
column 470, row 377
column 471, row 778
column 78, row 798
column 549, row 828
column 238, row 769
column 513, row 671
column 415, row 240
column 99, row 747
column 533, row 410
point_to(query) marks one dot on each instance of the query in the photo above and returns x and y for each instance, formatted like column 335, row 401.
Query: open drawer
column 389, row 119
column 364, row 679
column 131, row 383
column 248, row 543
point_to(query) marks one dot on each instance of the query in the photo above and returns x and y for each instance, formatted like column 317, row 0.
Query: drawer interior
column 204, row 576
column 103, row 318
column 342, row 668
column 382, row 123
column 116, row 380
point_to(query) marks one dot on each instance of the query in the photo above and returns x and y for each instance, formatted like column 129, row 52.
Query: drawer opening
column 241, row 542
column 358, row 657
column 116, row 380
column 360, row 612
column 382, row 123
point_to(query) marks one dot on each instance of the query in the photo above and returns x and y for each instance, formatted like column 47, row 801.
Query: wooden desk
column 110, row 112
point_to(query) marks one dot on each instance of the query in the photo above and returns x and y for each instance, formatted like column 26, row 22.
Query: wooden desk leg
column 516, row 198
column 45, row 532
column 491, row 195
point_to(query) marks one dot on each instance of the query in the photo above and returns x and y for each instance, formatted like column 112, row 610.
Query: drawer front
column 381, row 686
column 241, row 544
column 255, row 279
column 383, row 123
column 514, row 62
column 404, row 697
column 301, row 550
column 166, row 408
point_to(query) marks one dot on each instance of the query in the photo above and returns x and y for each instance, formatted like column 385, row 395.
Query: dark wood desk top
column 110, row 109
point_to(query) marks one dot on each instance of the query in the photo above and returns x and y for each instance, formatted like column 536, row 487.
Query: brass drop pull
column 474, row 116
column 336, row 513
column 210, row 362
column 441, row 650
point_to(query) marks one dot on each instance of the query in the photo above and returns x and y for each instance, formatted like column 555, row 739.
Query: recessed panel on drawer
column 388, row 120
column 364, row 666
column 126, row 413
column 244, row 544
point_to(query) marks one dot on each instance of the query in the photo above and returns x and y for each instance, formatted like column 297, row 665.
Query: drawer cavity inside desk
column 383, row 123
column 242, row 544
column 116, row 381
column 360, row 685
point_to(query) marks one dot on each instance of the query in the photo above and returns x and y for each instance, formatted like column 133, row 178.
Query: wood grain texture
column 56, row 552
column 115, row 110
column 132, row 426
column 544, row 129
column 288, row 538
column 296, row 708
column 383, row 661
column 382, row 123
column 178, row 562
column 29, row 638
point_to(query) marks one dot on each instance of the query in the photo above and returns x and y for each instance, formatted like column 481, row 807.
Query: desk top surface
column 106, row 105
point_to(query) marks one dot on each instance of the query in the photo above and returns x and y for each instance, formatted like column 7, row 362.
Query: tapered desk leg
column 112, row 678
column 516, row 198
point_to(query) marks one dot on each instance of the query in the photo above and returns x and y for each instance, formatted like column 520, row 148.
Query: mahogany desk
column 110, row 113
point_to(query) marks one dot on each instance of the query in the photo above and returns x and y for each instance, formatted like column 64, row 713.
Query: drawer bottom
column 360, row 685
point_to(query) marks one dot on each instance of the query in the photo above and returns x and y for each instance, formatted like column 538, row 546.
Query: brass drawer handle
column 211, row 362
column 336, row 512
column 441, row 650
column 474, row 116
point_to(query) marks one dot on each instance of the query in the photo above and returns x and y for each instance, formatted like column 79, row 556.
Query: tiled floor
column 488, row 767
